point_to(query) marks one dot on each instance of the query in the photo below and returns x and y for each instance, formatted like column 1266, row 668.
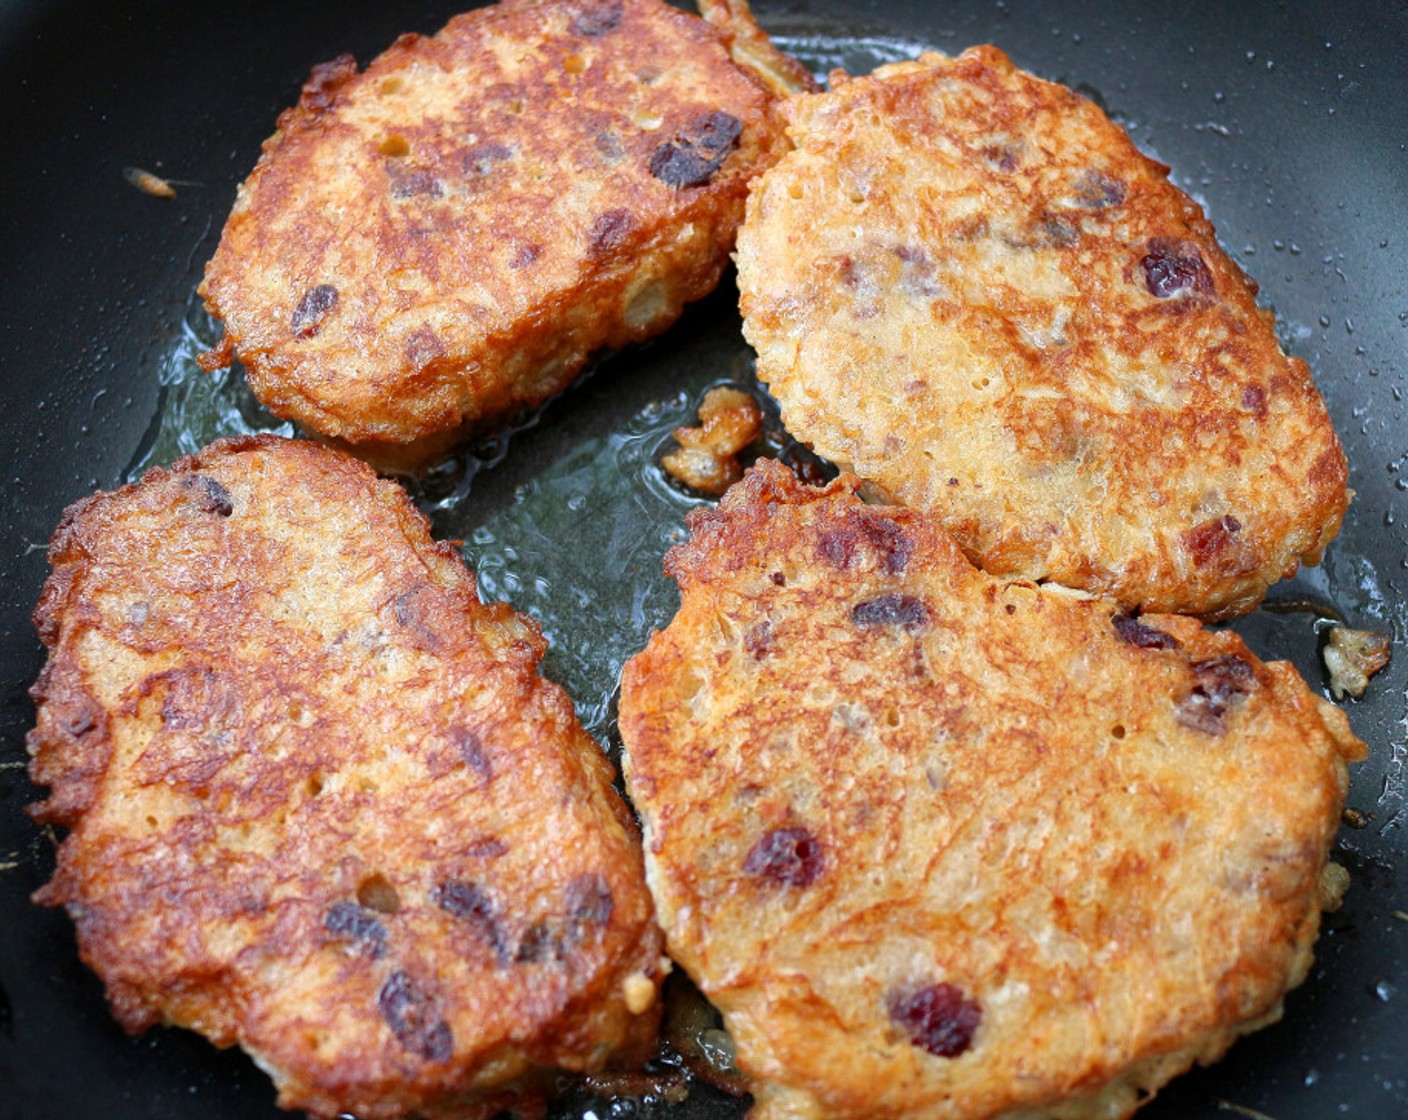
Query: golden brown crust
column 1003, row 313
column 321, row 803
column 867, row 772
column 447, row 236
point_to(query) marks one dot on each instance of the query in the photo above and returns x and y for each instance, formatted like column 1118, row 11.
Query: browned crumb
column 1334, row 882
column 1352, row 657
column 148, row 183
column 707, row 456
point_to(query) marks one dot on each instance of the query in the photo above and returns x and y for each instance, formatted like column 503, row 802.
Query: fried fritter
column 945, row 845
column 967, row 285
column 446, row 237
column 320, row 802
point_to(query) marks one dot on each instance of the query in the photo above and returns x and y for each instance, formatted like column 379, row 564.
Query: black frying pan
column 1289, row 122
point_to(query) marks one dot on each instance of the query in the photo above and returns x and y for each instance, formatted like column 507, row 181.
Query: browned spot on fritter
column 324, row 83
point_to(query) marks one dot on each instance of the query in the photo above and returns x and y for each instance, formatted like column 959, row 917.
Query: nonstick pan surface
column 1289, row 122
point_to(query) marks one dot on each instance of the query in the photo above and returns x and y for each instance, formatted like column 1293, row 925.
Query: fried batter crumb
column 1334, row 882
column 149, row 183
column 639, row 992
column 1352, row 657
column 707, row 457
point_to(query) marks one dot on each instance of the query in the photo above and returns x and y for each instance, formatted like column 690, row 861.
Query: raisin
column 413, row 1019
column 939, row 1019
column 696, row 151
column 1135, row 633
column 789, row 856
column 758, row 639
column 317, row 303
column 593, row 19
column 82, row 723
column 480, row 159
column 893, row 609
column 414, row 609
column 1172, row 266
column 1095, row 190
column 325, row 79
column 350, row 922
column 194, row 696
column 1220, row 682
column 609, row 232
column 472, row 751
column 837, row 547
column 890, row 541
column 841, row 546
column 525, row 255
column 1054, row 233
column 589, row 902
column 1003, row 157
column 211, row 496
column 538, row 944
column 1207, row 541
column 469, row 903
column 486, row 847
column 412, row 183
column 1254, row 401
column 423, row 346
column 917, row 273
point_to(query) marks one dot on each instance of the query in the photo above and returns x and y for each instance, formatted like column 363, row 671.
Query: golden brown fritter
column 945, row 845
column 448, row 235
column 320, row 802
column 970, row 287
